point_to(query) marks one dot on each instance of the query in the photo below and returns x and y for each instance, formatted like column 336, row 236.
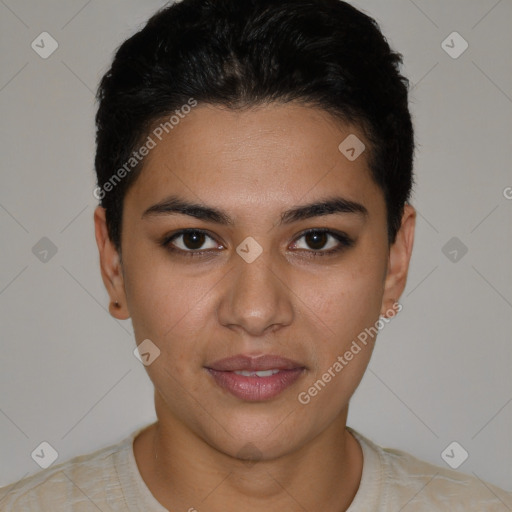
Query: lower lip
column 256, row 389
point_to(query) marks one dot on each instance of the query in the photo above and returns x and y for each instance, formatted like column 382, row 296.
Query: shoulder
column 409, row 483
column 83, row 481
column 432, row 485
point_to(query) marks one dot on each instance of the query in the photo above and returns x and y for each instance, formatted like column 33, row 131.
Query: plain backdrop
column 441, row 371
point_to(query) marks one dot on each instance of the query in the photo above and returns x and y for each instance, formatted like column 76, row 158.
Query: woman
column 254, row 165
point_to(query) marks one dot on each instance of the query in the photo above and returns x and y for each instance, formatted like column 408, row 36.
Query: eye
column 191, row 241
column 317, row 242
column 322, row 242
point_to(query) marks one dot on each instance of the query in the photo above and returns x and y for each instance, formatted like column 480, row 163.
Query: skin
column 253, row 165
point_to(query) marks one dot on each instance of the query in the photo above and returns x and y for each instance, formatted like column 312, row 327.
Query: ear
column 398, row 262
column 111, row 268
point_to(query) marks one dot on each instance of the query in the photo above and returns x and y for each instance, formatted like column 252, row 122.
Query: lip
column 243, row 362
column 254, row 388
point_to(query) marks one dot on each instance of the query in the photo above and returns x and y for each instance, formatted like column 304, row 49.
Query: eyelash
column 344, row 241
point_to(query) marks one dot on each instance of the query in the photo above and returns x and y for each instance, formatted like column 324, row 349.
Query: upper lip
column 250, row 363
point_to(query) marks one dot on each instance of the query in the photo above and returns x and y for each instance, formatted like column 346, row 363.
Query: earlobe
column 392, row 309
column 110, row 265
column 399, row 259
column 117, row 311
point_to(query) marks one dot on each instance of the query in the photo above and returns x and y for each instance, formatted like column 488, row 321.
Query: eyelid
column 344, row 241
column 166, row 241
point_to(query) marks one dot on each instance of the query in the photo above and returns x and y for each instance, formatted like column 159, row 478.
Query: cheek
column 344, row 300
column 347, row 304
column 171, row 311
column 164, row 304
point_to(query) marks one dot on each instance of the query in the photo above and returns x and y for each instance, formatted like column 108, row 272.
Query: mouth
column 255, row 379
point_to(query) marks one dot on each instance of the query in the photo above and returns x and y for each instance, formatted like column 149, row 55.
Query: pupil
column 316, row 240
column 193, row 240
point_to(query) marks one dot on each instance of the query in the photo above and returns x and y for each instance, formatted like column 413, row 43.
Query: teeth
column 263, row 373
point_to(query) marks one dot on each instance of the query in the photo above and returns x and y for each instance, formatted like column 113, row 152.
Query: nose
column 257, row 299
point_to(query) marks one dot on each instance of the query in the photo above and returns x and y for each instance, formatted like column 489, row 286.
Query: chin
column 262, row 437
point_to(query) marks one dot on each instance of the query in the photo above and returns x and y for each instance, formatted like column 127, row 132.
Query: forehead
column 273, row 156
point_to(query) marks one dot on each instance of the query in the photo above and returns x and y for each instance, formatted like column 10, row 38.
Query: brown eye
column 316, row 240
column 193, row 240
column 320, row 242
column 190, row 241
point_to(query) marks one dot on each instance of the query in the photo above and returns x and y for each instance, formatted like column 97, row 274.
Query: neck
column 184, row 472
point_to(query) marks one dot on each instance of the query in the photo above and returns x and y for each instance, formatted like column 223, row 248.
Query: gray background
column 441, row 369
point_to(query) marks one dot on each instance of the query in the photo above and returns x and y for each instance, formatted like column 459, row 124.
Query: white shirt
column 109, row 480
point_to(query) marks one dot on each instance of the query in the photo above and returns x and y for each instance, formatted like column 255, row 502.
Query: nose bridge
column 256, row 298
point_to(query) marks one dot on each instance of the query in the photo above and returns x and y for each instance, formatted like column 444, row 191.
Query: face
column 227, row 266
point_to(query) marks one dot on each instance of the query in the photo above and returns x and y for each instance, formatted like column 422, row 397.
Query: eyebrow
column 332, row 205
